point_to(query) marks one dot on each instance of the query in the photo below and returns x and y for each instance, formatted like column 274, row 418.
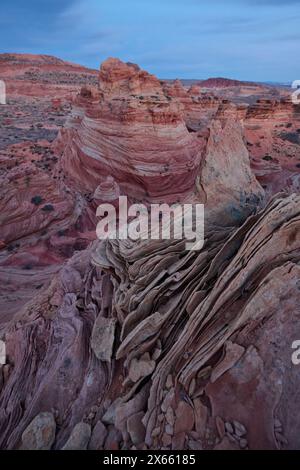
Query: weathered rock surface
column 136, row 429
column 261, row 257
column 162, row 159
column 40, row 434
column 117, row 79
column 144, row 344
column 98, row 437
column 230, row 188
column 103, row 336
column 79, row 438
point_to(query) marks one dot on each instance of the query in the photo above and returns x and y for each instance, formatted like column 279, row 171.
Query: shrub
column 37, row 200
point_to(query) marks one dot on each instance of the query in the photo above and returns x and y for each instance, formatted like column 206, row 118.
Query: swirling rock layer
column 118, row 344
column 133, row 132
column 189, row 350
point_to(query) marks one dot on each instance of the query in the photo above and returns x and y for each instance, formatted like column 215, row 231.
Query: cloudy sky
column 243, row 39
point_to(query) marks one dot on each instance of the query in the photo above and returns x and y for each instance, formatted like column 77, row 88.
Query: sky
column 243, row 39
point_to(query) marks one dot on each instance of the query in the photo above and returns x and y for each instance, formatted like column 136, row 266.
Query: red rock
column 136, row 429
column 184, row 421
column 220, row 427
column 227, row 161
column 194, row 445
column 98, row 437
column 163, row 155
column 233, row 353
column 199, row 322
column 117, row 79
column 201, row 417
column 40, row 434
column 178, row 441
column 166, row 440
column 225, row 444
column 103, row 336
column 141, row 368
column 113, row 440
column 79, row 437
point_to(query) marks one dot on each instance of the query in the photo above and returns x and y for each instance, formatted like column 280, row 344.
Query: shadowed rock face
column 118, row 344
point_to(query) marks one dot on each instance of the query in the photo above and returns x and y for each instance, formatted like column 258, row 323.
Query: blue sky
column 243, row 39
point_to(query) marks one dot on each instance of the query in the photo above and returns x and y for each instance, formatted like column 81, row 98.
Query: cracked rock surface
column 120, row 344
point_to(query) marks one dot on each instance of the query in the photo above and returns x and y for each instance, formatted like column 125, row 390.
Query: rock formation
column 121, row 344
column 185, row 345
column 272, row 133
column 227, row 166
column 159, row 163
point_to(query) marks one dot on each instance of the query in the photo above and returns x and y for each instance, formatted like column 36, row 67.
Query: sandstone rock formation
column 226, row 166
column 79, row 438
column 121, row 344
column 272, row 133
column 43, row 75
column 162, row 160
column 40, row 434
column 117, row 79
column 184, row 335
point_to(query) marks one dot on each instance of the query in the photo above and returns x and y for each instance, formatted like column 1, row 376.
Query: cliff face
column 165, row 159
column 118, row 344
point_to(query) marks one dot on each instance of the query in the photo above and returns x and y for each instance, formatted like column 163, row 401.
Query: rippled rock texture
column 117, row 344
column 132, row 131
column 205, row 336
